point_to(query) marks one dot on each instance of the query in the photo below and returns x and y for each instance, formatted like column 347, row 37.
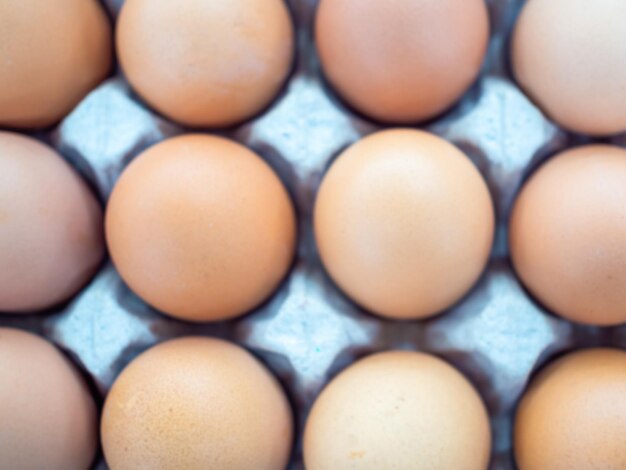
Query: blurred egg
column 51, row 55
column 201, row 228
column 568, row 234
column 51, row 239
column 398, row 410
column 401, row 61
column 404, row 223
column 196, row 403
column 573, row 415
column 570, row 57
column 49, row 418
column 206, row 63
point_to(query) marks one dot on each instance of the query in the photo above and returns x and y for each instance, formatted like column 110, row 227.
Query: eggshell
column 206, row 63
column 573, row 416
column 51, row 237
column 196, row 403
column 404, row 223
column 201, row 228
column 568, row 232
column 52, row 54
column 48, row 414
column 570, row 57
column 398, row 410
column 401, row 61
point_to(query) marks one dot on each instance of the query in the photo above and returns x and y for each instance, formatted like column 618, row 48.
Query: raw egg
column 51, row 55
column 201, row 228
column 570, row 57
column 573, row 415
column 404, row 223
column 398, row 410
column 196, row 403
column 401, row 61
column 49, row 418
column 206, row 63
column 51, row 237
column 568, row 233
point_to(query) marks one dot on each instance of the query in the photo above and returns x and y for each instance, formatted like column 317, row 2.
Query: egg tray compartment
column 308, row 331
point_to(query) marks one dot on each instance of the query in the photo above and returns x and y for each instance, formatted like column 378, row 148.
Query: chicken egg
column 206, row 63
column 568, row 234
column 51, row 237
column 52, row 53
column 404, row 223
column 49, row 418
column 196, row 403
column 398, row 410
column 401, row 61
column 201, row 228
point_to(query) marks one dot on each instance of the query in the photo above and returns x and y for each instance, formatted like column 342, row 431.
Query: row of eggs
column 217, row 63
column 206, row 403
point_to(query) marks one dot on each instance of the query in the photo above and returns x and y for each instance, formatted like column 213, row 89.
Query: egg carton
column 308, row 331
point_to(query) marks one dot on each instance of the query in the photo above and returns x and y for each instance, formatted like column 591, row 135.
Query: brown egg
column 573, row 416
column 570, row 57
column 404, row 223
column 196, row 403
column 568, row 233
column 401, row 61
column 206, row 63
column 400, row 410
column 201, row 228
column 51, row 239
column 49, row 418
column 51, row 55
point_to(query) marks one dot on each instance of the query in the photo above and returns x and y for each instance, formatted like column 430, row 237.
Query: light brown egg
column 401, row 61
column 568, row 233
column 52, row 54
column 196, row 403
column 400, row 410
column 201, row 228
column 49, row 418
column 206, row 63
column 404, row 223
column 570, row 57
column 573, row 415
column 51, row 237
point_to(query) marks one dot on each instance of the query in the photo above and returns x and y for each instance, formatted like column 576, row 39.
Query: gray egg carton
column 308, row 331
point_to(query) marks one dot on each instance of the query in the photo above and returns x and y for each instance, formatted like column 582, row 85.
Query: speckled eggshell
column 401, row 61
column 196, row 403
column 398, row 410
column 52, row 53
column 51, row 236
column 206, row 63
column 568, row 233
column 404, row 223
column 201, row 228
column 570, row 57
column 573, row 415
column 49, row 418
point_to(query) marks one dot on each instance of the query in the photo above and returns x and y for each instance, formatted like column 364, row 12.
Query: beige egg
column 568, row 233
column 196, row 403
column 404, row 223
column 570, row 58
column 206, row 63
column 573, row 415
column 51, row 237
column 52, row 54
column 398, row 410
column 201, row 228
column 49, row 418
column 401, row 61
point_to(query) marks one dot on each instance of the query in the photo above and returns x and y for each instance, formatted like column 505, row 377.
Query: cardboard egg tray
column 308, row 331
